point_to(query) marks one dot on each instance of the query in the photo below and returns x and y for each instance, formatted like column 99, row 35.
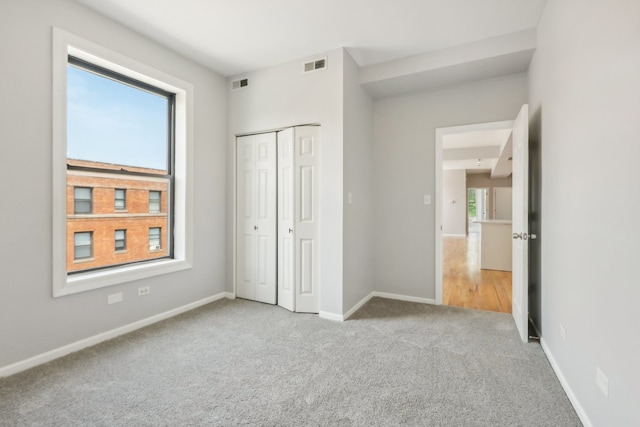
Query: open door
column 520, row 228
column 298, row 230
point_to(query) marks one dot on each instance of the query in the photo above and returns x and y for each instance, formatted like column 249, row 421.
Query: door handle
column 290, row 231
column 517, row 236
column 255, row 227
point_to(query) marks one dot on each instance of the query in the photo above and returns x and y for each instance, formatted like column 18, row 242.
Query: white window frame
column 65, row 44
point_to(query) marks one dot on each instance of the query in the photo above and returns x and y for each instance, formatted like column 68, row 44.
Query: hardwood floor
column 464, row 284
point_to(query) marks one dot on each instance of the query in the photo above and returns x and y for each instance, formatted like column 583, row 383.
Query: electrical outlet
column 114, row 298
column 144, row 291
column 602, row 382
column 563, row 332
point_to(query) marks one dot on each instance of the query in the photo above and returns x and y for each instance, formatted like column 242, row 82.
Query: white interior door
column 256, row 218
column 286, row 242
column 520, row 228
column 306, row 220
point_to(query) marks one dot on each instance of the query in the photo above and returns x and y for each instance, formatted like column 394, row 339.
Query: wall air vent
column 239, row 84
column 318, row 64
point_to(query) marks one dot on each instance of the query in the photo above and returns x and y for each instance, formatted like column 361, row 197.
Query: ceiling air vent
column 318, row 64
column 239, row 84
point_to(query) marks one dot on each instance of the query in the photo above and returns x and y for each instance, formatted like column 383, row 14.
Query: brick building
column 114, row 218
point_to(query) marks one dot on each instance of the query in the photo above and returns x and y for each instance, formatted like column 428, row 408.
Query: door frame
column 440, row 134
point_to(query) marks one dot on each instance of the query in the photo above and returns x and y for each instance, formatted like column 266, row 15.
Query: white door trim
column 440, row 133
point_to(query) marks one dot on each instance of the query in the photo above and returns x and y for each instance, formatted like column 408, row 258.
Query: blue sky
column 111, row 122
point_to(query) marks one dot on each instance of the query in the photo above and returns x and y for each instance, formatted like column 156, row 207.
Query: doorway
column 460, row 280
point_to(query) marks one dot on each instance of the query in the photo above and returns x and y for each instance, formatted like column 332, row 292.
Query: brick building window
column 82, row 200
column 83, row 245
column 121, row 240
column 154, row 239
column 154, row 201
column 130, row 150
column 120, row 201
column 120, row 129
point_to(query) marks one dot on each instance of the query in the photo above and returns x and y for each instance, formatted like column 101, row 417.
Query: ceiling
column 235, row 36
column 477, row 151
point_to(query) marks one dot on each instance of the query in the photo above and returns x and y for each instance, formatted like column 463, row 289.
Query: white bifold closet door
column 256, row 238
column 298, row 231
column 277, row 218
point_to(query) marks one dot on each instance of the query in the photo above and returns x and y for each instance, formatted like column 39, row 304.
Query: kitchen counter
column 495, row 244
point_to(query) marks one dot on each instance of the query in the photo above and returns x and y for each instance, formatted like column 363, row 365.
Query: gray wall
column 404, row 143
column 31, row 321
column 454, row 202
column 585, row 88
column 358, row 180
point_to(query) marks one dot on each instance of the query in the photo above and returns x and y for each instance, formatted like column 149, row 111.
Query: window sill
column 83, row 260
column 99, row 279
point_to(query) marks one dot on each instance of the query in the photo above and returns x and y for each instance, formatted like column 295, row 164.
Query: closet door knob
column 517, row 236
column 290, row 231
column 255, row 227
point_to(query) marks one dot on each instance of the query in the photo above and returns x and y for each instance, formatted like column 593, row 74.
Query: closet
column 277, row 218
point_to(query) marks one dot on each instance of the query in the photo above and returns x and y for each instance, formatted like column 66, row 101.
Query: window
column 120, row 199
column 154, row 239
column 82, row 200
column 154, row 201
column 121, row 240
column 83, row 245
column 126, row 141
column 120, row 124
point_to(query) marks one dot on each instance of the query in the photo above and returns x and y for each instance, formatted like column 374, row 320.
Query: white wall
column 404, row 143
column 585, row 87
column 454, row 202
column 358, row 180
column 31, row 321
column 282, row 96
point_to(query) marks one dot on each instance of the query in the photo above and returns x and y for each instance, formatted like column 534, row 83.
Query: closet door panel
column 266, row 218
column 256, row 218
column 286, row 232
column 306, row 219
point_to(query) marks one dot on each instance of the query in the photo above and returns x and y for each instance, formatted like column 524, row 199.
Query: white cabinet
column 495, row 244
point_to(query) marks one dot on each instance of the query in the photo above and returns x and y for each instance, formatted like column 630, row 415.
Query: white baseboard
column 363, row 301
column 454, row 235
column 48, row 356
column 229, row 295
column 582, row 414
column 331, row 316
column 356, row 307
column 403, row 297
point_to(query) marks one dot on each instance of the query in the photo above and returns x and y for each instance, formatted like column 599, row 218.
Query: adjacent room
column 319, row 212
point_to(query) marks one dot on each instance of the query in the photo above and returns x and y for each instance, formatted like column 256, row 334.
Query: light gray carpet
column 244, row 363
